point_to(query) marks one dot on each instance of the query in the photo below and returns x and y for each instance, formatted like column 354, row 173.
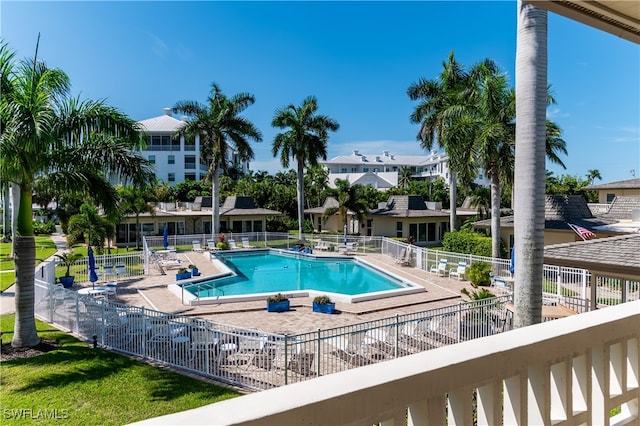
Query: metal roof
column 621, row 184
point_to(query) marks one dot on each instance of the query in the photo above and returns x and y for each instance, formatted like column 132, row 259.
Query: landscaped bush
column 470, row 242
column 43, row 227
column 478, row 274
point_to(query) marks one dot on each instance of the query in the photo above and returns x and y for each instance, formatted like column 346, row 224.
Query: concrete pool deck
column 151, row 292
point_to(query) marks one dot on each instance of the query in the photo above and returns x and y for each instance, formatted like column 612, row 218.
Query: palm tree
column 404, row 176
column 593, row 174
column 436, row 112
column 62, row 144
column 305, row 141
column 481, row 200
column 531, row 106
column 351, row 199
column 221, row 129
column 134, row 202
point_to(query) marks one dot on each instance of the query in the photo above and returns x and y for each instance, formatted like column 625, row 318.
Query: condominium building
column 381, row 170
column 177, row 159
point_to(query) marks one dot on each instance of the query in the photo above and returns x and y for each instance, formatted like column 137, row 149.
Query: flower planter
column 325, row 308
column 67, row 282
column 183, row 276
column 281, row 306
column 195, row 272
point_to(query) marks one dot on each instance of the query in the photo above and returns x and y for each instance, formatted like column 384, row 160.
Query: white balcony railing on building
column 571, row 371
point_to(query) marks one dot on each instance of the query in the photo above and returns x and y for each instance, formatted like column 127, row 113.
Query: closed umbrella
column 345, row 234
column 512, row 266
column 93, row 276
column 165, row 239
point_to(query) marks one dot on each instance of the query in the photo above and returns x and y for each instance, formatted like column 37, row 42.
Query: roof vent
column 355, row 152
column 363, row 158
column 377, row 158
column 166, row 111
column 385, row 153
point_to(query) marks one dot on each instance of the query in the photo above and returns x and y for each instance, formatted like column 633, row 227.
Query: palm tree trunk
column 300, row 191
column 495, row 211
column 215, row 201
column 24, row 333
column 531, row 95
column 453, row 195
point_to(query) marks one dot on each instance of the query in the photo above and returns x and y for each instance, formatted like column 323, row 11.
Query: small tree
column 68, row 260
column 478, row 274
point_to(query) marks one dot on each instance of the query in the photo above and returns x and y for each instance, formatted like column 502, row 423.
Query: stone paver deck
column 151, row 292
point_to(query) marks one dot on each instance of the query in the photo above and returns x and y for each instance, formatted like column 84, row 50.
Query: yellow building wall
column 602, row 193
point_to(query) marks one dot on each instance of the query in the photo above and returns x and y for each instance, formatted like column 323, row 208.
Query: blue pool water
column 275, row 271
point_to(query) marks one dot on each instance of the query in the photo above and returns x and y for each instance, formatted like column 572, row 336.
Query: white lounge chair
column 322, row 245
column 245, row 243
column 458, row 271
column 121, row 270
column 405, row 257
column 196, row 245
column 232, row 244
column 211, row 245
column 439, row 269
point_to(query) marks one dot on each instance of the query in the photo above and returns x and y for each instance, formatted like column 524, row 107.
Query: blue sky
column 357, row 58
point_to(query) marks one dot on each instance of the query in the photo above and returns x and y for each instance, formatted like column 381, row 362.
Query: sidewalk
column 7, row 298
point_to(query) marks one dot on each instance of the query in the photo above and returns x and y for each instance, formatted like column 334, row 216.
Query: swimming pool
column 255, row 274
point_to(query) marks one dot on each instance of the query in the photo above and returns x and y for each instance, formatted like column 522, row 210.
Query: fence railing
column 256, row 359
column 108, row 267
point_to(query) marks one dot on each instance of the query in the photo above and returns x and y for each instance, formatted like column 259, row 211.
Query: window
column 171, row 177
column 610, row 198
column 365, row 169
column 174, row 143
column 190, row 176
column 190, row 144
column 354, row 169
column 431, row 231
column 399, row 229
column 172, row 159
column 189, row 161
column 236, row 226
column 152, row 159
column 413, row 230
column 257, row 226
column 343, row 170
column 422, row 232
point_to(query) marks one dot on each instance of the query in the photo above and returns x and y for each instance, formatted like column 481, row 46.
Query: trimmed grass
column 44, row 249
column 93, row 386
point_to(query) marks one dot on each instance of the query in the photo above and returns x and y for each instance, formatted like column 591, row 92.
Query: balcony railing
column 577, row 370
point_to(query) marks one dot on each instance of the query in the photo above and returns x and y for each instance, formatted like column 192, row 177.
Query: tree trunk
column 495, row 211
column 24, row 332
column 300, row 191
column 453, row 195
column 531, row 96
column 215, row 201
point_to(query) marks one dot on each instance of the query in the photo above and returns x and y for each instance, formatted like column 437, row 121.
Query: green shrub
column 222, row 245
column 470, row 242
column 322, row 300
column 43, row 227
column 478, row 274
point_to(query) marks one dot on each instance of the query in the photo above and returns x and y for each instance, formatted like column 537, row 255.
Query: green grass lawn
column 44, row 249
column 93, row 386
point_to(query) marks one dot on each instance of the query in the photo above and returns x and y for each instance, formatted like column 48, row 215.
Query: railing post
column 397, row 337
column 318, row 354
column 286, row 355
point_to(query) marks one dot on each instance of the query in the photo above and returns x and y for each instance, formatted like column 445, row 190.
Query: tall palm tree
column 63, row 145
column 404, row 176
column 593, row 174
column 305, row 140
column 531, row 106
column 351, row 199
column 436, row 112
column 134, row 202
column 221, row 128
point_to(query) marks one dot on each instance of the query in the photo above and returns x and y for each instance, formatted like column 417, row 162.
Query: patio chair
column 196, row 245
column 203, row 344
column 245, row 243
column 322, row 245
column 109, row 271
column 458, row 271
column 439, row 269
column 405, row 259
column 121, row 270
column 232, row 244
column 211, row 245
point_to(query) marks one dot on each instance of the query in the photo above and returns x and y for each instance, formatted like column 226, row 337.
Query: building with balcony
column 177, row 159
column 381, row 170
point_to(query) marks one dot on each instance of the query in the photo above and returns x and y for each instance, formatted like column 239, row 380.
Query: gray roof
column 238, row 205
column 622, row 206
column 407, row 206
column 388, row 159
column 559, row 211
column 621, row 184
column 614, row 254
column 329, row 202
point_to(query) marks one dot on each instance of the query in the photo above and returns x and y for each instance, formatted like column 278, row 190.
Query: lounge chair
column 245, row 243
column 211, row 245
column 232, row 244
column 458, row 271
column 322, row 245
column 121, row 270
column 440, row 268
column 108, row 271
column 196, row 245
column 405, row 259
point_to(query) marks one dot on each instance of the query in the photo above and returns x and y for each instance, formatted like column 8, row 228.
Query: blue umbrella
column 345, row 233
column 512, row 266
column 93, row 276
column 165, row 240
